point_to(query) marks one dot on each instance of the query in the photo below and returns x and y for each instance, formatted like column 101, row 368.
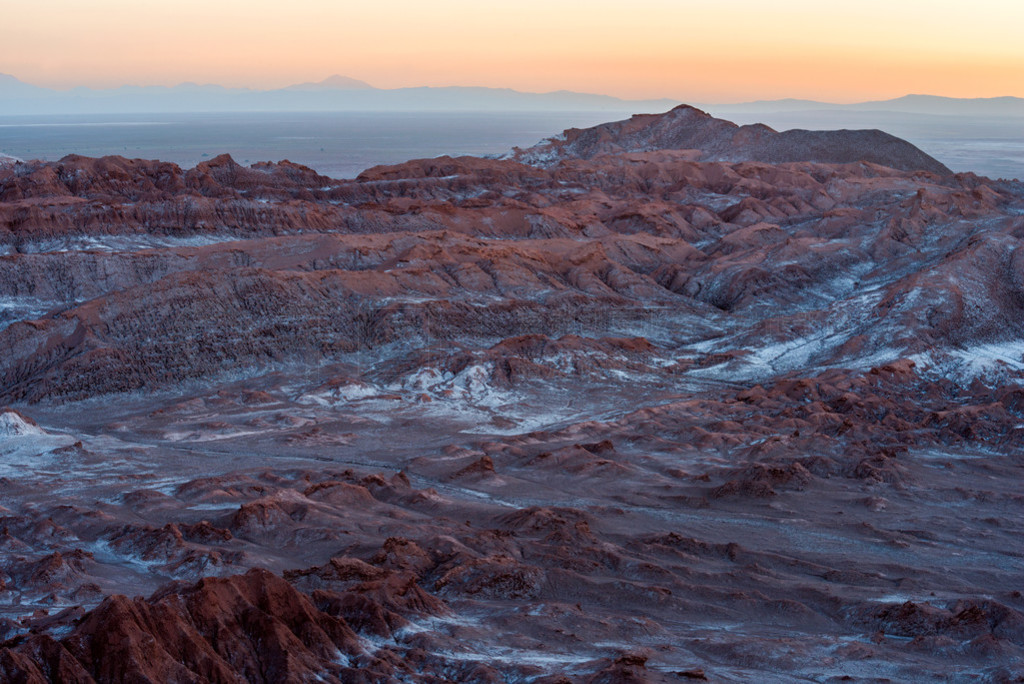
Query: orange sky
column 698, row 51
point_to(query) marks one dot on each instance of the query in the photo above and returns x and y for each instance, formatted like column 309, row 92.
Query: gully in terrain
column 662, row 400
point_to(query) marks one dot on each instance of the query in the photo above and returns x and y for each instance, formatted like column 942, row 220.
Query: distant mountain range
column 337, row 93
column 908, row 104
column 341, row 93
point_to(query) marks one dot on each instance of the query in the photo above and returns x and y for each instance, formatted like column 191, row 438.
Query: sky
column 691, row 50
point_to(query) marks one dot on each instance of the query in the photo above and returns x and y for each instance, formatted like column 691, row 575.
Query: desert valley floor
column 661, row 400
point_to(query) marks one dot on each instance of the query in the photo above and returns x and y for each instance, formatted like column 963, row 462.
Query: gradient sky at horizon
column 699, row 51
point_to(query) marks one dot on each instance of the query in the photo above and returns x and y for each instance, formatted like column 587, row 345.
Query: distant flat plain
column 342, row 144
column 339, row 145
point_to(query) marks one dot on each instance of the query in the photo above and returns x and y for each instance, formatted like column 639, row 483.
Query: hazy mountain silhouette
column 11, row 87
column 336, row 93
column 343, row 93
column 908, row 104
column 334, row 82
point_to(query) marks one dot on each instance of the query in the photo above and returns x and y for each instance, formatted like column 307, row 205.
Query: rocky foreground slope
column 662, row 400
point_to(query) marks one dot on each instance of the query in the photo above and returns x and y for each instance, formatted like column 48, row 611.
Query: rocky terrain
column 663, row 400
column 711, row 139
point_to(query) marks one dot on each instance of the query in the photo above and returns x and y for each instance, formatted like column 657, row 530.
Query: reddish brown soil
column 664, row 400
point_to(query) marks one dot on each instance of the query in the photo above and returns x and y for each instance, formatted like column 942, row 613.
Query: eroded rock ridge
column 663, row 400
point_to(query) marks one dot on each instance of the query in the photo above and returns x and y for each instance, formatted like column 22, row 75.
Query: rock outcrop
column 688, row 128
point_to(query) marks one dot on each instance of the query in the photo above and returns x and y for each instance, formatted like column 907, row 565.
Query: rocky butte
column 662, row 400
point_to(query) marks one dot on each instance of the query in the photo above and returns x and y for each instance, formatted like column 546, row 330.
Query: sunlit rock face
column 657, row 401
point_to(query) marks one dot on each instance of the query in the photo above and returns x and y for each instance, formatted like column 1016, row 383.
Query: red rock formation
column 675, row 400
column 688, row 128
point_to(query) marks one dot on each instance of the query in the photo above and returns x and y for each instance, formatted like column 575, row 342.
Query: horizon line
column 372, row 87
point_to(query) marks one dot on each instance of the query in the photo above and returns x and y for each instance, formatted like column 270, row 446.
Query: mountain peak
column 335, row 82
column 11, row 86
